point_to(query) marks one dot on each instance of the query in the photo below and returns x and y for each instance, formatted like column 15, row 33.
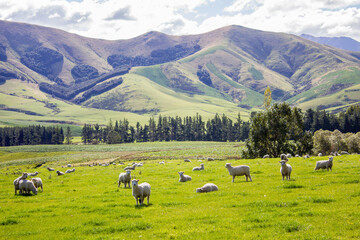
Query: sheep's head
column 199, row 190
column 283, row 162
column 202, row 164
column 134, row 182
column 24, row 175
column 227, row 165
column 181, row 173
column 128, row 172
column 331, row 159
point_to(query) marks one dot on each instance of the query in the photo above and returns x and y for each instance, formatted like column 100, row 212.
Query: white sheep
column 184, row 178
column 320, row 154
column 306, row 156
column 59, row 173
column 140, row 191
column 27, row 186
column 285, row 169
column 288, row 155
column 50, row 169
column 187, row 160
column 70, row 170
column 37, row 183
column 199, row 168
column 33, row 174
column 130, row 168
column 266, row 156
column 125, row 178
column 283, row 157
column 69, row 165
column 238, row 171
column 324, row 164
column 16, row 181
column 162, row 162
column 209, row 187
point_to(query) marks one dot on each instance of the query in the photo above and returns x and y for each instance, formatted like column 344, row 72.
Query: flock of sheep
column 143, row 190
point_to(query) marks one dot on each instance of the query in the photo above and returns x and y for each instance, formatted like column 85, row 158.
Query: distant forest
column 219, row 128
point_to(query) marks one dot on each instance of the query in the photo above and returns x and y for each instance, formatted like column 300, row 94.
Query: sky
column 124, row 19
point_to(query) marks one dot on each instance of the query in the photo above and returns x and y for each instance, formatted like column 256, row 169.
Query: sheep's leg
column 119, row 184
column 283, row 176
column 148, row 198
column 42, row 188
column 141, row 200
column 250, row 178
column 233, row 178
column 137, row 202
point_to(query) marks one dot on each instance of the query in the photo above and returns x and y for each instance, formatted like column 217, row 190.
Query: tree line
column 219, row 128
column 31, row 135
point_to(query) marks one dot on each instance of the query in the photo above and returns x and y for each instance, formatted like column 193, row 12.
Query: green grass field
column 88, row 205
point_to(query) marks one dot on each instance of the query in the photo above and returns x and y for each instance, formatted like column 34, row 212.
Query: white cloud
column 113, row 19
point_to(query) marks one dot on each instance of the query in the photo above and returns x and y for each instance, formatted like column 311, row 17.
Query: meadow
column 87, row 204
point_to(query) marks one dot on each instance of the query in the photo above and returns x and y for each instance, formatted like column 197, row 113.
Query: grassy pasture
column 88, row 205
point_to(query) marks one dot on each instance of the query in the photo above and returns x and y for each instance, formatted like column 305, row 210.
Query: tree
column 277, row 130
column 68, row 135
column 267, row 98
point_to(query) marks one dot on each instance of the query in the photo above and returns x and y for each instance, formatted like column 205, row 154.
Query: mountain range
column 49, row 75
column 345, row 43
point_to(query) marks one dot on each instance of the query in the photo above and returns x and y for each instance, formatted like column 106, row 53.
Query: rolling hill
column 48, row 75
column 345, row 43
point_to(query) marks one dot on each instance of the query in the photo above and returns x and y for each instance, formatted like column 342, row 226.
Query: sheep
column 184, row 178
column 187, row 160
column 238, row 171
column 210, row 159
column 162, row 162
column 140, row 191
column 288, row 155
column 199, row 168
column 209, row 187
column 266, row 156
column 306, row 156
column 125, row 178
column 344, row 152
column 70, row 170
column 69, row 165
column 50, row 169
column 27, row 186
column 33, row 174
column 59, row 173
column 320, row 154
column 297, row 155
column 16, row 181
column 324, row 164
column 285, row 169
column 283, row 157
column 130, row 168
column 37, row 183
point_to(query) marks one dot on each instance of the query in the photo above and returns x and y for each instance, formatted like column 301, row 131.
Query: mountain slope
column 225, row 70
column 338, row 42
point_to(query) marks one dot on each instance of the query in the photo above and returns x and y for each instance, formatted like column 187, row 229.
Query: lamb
column 27, row 186
column 238, row 171
column 130, row 168
column 16, row 181
column 140, row 191
column 285, row 169
column 199, row 168
column 70, row 170
column 184, row 178
column 59, row 173
column 50, row 169
column 324, row 164
column 125, row 178
column 37, row 183
column 209, row 187
column 33, row 174
column 266, row 156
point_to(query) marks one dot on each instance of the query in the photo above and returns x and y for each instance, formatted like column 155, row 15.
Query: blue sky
column 122, row 19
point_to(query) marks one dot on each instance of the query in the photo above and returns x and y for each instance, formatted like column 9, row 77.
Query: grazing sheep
column 324, row 164
column 210, row 159
column 344, row 152
column 37, row 183
column 27, row 186
column 209, row 187
column 50, row 169
column 320, row 154
column 140, row 191
column 16, row 181
column 238, row 171
column 285, row 169
column 288, row 155
column 283, row 157
column 306, row 156
column 125, row 178
column 33, row 174
column 266, row 156
column 70, row 170
column 297, row 155
column 184, row 178
column 187, row 160
column 130, row 168
column 69, row 165
column 199, row 168
column 59, row 173
column 162, row 162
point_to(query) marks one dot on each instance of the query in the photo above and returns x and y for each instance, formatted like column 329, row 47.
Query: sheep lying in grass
column 187, row 160
column 285, row 169
column 184, row 178
column 130, row 168
column 16, row 181
column 125, row 178
column 238, row 171
column 33, row 174
column 59, row 173
column 140, row 191
column 306, row 156
column 266, row 156
column 320, row 154
column 70, row 170
column 199, row 168
column 324, row 164
column 209, row 187
column 37, row 183
column 27, row 186
column 50, row 169
column 210, row 159
column 69, row 165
